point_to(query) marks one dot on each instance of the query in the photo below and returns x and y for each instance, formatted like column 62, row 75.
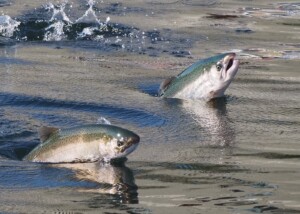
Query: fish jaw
column 221, row 82
column 230, row 68
column 117, row 151
column 126, row 151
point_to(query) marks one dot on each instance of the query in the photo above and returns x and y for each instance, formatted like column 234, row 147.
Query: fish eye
column 120, row 143
column 219, row 66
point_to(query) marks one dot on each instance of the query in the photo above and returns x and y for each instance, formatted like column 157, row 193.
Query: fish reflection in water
column 114, row 179
column 212, row 116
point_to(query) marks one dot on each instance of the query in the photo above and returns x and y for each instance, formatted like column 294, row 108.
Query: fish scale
column 85, row 143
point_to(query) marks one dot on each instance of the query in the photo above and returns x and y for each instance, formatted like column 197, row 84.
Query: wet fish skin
column 86, row 143
column 205, row 79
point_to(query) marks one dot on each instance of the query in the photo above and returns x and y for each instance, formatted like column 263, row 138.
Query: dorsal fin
column 45, row 132
column 164, row 85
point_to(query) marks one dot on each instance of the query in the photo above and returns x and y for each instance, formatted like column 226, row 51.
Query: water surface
column 69, row 63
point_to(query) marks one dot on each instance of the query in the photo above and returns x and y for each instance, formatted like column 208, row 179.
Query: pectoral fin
column 45, row 132
column 164, row 85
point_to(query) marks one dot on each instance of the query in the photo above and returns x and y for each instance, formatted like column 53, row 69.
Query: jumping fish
column 205, row 79
column 87, row 143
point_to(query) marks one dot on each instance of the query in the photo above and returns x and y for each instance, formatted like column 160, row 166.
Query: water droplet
column 103, row 120
column 8, row 26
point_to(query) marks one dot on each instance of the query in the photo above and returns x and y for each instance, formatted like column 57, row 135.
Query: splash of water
column 103, row 120
column 55, row 31
column 86, row 32
column 60, row 28
column 59, row 12
column 89, row 15
column 8, row 26
column 90, row 18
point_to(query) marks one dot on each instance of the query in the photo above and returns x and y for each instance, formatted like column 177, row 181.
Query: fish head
column 122, row 143
column 222, row 71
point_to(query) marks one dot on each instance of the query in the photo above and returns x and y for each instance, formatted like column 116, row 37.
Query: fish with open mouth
column 88, row 143
column 205, row 79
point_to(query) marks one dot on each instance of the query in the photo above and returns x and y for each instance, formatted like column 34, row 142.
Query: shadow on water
column 136, row 116
column 270, row 155
column 196, row 168
column 113, row 183
column 25, row 175
column 4, row 3
column 16, row 146
column 8, row 57
column 150, row 89
column 4, row 41
column 7, row 60
column 272, row 209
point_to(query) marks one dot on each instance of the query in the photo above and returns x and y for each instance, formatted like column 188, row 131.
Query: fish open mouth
column 229, row 61
column 132, row 142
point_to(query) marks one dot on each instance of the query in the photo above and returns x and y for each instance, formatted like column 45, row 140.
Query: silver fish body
column 205, row 79
column 87, row 143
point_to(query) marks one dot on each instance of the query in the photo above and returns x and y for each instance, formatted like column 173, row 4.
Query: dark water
column 66, row 63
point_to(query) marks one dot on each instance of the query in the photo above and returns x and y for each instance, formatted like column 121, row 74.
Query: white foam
column 8, row 26
column 55, row 32
column 59, row 13
column 89, row 15
column 103, row 120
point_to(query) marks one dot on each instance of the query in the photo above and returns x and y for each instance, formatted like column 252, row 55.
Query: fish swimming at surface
column 87, row 143
column 205, row 79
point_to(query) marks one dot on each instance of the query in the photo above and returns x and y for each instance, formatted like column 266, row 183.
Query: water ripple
column 36, row 176
column 135, row 116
